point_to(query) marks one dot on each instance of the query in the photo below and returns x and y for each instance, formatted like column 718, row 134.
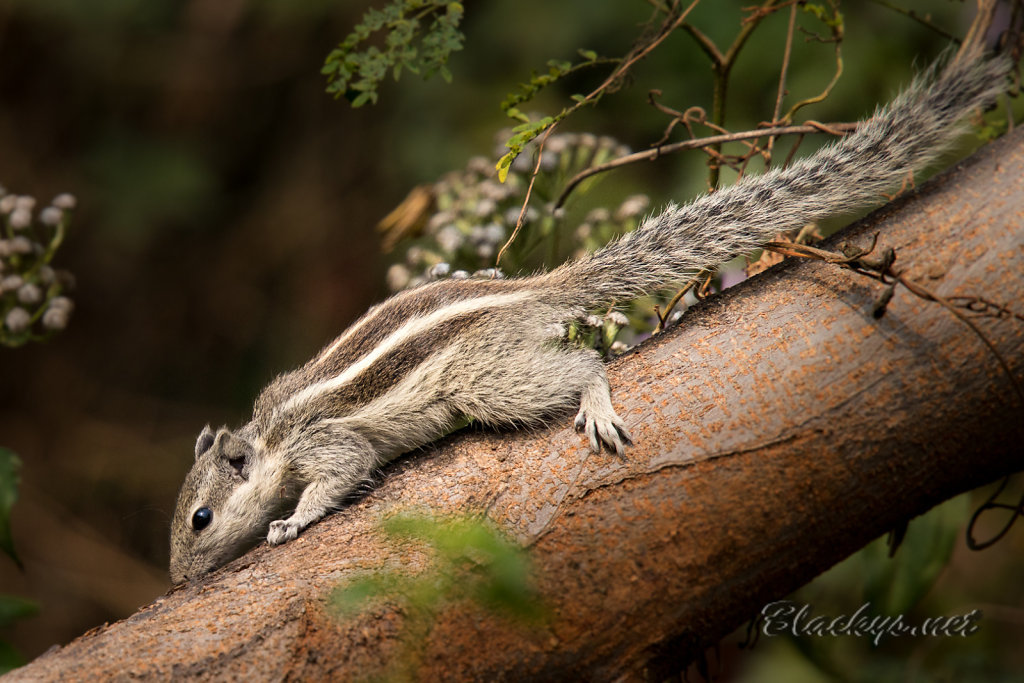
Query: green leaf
column 362, row 98
column 13, row 608
column 350, row 598
column 9, row 465
column 504, row 164
column 899, row 583
column 9, row 658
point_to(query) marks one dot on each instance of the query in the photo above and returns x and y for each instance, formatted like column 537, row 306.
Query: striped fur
column 417, row 363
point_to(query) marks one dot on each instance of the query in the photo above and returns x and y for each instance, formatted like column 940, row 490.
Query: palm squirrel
column 413, row 365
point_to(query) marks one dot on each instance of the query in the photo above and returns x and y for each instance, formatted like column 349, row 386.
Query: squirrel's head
column 220, row 512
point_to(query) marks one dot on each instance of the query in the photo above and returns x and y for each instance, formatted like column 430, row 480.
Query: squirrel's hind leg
column 597, row 418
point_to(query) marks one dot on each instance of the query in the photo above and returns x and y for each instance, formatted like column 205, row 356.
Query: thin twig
column 925, row 293
column 919, row 19
column 526, row 199
column 879, row 269
column 824, row 93
column 654, row 153
column 782, row 81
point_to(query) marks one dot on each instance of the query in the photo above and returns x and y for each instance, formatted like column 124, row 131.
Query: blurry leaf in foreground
column 9, row 464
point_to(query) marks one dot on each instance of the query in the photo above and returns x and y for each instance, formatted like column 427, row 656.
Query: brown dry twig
column 881, row 268
column 526, row 198
column 710, row 141
column 991, row 504
column 919, row 19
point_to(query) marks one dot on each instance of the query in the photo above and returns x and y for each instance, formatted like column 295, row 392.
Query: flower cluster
column 32, row 301
column 471, row 215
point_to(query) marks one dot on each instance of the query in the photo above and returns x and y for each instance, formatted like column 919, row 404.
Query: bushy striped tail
column 849, row 174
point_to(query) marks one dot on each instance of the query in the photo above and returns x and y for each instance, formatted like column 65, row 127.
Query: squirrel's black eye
column 202, row 518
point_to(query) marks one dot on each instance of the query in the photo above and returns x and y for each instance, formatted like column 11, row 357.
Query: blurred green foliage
column 9, row 466
column 905, row 584
column 469, row 560
column 357, row 73
column 12, row 608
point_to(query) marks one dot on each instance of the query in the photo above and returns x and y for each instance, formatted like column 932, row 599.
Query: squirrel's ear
column 236, row 450
column 204, row 441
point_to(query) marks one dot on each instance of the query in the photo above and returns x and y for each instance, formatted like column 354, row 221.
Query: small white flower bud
column 46, row 275
column 588, row 140
column 485, row 251
column 492, row 190
column 20, row 245
column 598, row 215
column 414, row 256
column 484, row 207
column 61, row 303
column 592, row 321
column 25, row 202
column 460, row 275
column 632, row 206
column 450, row 238
column 619, row 347
column 11, row 283
column 480, row 165
column 494, row 233
column 65, row 201
column 8, row 203
column 556, row 144
column 439, row 220
column 398, row 277
column 20, row 218
column 17, row 319
column 51, row 216
column 439, row 270
column 30, row 294
column 56, row 318
column 490, row 274
column 617, row 318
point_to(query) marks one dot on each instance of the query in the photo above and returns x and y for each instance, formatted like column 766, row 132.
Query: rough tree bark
column 779, row 428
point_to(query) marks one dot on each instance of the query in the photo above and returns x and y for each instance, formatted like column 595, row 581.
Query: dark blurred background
column 227, row 206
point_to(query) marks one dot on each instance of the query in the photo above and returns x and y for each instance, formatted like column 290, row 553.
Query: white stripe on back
column 402, row 334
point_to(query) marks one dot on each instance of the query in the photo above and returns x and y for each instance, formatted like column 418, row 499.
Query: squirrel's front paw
column 282, row 531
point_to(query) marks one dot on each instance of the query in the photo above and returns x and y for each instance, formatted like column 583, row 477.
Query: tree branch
column 778, row 429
